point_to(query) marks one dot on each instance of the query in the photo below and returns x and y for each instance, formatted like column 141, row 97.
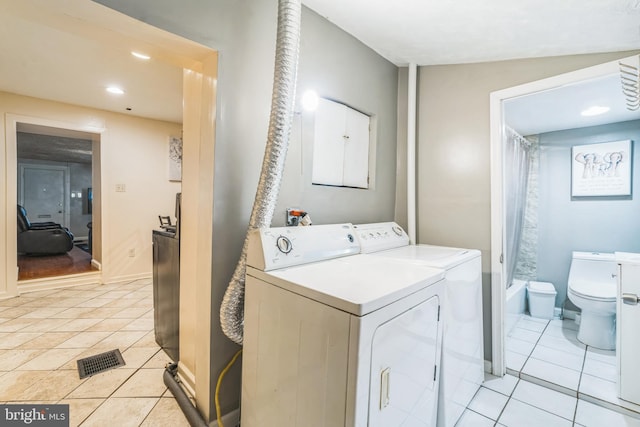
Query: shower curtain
column 516, row 173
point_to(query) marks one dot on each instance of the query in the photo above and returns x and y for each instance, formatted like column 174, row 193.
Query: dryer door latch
column 384, row 388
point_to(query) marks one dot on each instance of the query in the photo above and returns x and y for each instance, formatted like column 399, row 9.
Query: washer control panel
column 280, row 247
column 380, row 236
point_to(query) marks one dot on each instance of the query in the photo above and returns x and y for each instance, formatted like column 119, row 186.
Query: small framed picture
column 175, row 158
column 602, row 169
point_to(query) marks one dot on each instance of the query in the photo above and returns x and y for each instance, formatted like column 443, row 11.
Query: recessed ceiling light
column 115, row 90
column 140, row 55
column 594, row 111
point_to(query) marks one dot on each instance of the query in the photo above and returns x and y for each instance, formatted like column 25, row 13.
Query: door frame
column 497, row 129
column 66, row 187
column 12, row 121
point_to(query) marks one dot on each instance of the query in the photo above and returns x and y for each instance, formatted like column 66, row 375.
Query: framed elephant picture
column 602, row 169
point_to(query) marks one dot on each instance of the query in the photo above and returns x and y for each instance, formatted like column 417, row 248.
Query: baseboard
column 230, row 419
column 187, row 379
column 96, row 264
column 127, row 278
column 44, row 284
column 488, row 366
column 7, row 295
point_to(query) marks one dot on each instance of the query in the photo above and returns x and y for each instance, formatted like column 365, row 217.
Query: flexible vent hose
column 282, row 102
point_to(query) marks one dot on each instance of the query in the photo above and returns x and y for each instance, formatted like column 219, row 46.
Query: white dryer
column 463, row 346
column 333, row 338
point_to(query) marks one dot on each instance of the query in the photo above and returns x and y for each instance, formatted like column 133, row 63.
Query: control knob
column 284, row 244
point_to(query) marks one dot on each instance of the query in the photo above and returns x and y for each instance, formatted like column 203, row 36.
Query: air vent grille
column 100, row 363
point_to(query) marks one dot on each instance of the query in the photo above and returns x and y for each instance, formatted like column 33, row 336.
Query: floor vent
column 100, row 363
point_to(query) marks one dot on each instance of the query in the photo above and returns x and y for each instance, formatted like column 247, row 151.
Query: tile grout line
column 578, row 395
column 534, row 406
column 104, row 399
column 520, row 373
column 154, row 406
column 507, row 402
column 533, row 349
column 584, row 362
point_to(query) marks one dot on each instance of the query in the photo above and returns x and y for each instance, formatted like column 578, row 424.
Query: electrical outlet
column 132, row 252
column 121, row 188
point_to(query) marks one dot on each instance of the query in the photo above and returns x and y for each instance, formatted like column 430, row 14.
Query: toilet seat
column 591, row 297
column 594, row 290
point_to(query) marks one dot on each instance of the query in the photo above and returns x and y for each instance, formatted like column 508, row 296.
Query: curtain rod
column 517, row 136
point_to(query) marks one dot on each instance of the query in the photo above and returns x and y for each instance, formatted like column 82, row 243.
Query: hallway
column 76, row 261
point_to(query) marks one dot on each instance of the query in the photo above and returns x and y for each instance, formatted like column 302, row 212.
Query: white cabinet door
column 340, row 146
column 628, row 325
column 356, row 150
column 328, row 144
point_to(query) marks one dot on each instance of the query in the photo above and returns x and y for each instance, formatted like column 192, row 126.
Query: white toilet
column 592, row 287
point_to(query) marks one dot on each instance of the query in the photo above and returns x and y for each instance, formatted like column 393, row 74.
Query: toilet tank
column 593, row 267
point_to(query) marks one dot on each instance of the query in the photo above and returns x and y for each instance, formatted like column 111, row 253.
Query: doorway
column 46, row 161
column 55, row 185
column 122, row 190
column 500, row 102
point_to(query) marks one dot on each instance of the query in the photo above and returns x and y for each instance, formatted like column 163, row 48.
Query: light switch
column 121, row 188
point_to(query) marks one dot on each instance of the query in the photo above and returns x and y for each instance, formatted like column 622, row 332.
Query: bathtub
column 514, row 304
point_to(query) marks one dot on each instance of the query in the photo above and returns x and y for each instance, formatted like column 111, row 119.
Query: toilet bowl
column 592, row 288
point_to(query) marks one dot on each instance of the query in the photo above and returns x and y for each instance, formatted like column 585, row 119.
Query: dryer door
column 405, row 355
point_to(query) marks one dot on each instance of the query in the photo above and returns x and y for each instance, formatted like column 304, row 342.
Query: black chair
column 42, row 238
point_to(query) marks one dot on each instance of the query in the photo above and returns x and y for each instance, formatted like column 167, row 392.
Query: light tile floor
column 43, row 334
column 548, row 353
column 515, row 402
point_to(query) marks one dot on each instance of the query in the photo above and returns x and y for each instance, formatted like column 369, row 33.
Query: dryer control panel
column 280, row 247
column 380, row 236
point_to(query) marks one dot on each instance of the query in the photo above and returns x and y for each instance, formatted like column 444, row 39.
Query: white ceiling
column 436, row 32
column 560, row 108
column 429, row 32
column 51, row 50
column 49, row 53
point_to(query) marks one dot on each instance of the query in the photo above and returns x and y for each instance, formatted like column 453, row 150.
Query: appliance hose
column 190, row 412
column 282, row 105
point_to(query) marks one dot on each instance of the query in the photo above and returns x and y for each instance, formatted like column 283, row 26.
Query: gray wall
column 356, row 76
column 336, row 65
column 454, row 185
column 601, row 224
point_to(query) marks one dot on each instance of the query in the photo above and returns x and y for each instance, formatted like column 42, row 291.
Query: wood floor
column 37, row 267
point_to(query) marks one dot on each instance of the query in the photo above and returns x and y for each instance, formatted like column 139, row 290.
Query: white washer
column 333, row 338
column 463, row 346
